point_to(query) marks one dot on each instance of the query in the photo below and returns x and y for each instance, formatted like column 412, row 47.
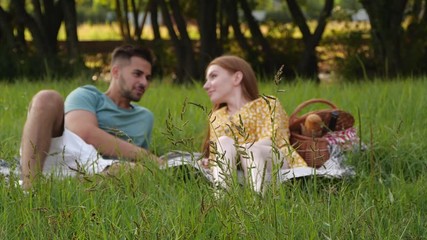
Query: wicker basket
column 315, row 150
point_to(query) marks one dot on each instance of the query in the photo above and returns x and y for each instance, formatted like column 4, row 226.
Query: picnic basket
column 314, row 150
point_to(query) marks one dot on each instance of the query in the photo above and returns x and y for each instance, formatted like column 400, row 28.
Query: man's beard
column 127, row 93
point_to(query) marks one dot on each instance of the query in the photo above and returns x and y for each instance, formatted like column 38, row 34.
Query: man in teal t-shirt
column 121, row 122
column 91, row 127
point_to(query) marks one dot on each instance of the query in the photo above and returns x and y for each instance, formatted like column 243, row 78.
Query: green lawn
column 386, row 199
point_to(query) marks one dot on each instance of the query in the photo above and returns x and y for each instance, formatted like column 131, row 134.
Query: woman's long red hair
column 249, row 85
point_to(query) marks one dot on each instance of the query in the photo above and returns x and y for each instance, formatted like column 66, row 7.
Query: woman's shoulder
column 266, row 100
column 219, row 112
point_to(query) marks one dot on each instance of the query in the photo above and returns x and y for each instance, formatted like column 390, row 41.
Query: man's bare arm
column 84, row 124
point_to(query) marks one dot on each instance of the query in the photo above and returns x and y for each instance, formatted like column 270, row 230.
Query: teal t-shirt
column 133, row 125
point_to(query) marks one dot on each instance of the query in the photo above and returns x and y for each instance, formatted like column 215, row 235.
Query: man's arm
column 85, row 125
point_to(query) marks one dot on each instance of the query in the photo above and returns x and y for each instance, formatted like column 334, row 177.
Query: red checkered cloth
column 347, row 139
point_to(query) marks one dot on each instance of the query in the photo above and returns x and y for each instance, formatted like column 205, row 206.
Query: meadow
column 385, row 200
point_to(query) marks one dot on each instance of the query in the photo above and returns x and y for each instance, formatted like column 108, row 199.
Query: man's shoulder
column 85, row 97
column 88, row 89
column 143, row 110
column 84, row 92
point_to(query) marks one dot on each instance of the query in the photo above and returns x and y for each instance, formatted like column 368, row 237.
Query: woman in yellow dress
column 245, row 128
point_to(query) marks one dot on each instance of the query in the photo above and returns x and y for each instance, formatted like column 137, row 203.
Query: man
column 83, row 133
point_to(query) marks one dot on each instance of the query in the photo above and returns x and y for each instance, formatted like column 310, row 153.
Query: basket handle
column 309, row 102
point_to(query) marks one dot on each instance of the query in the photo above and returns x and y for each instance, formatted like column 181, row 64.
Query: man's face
column 134, row 78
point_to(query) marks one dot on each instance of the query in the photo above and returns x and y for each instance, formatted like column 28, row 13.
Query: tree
column 398, row 50
column 415, row 54
column 207, row 23
column 8, row 46
column 43, row 23
column 157, row 42
column 186, row 66
column 386, row 17
column 70, row 21
column 265, row 50
column 122, row 9
column 307, row 66
column 233, row 19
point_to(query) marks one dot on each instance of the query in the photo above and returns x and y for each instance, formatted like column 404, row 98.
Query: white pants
column 69, row 155
column 256, row 159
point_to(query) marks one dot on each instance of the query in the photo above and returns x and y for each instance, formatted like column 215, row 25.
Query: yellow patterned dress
column 259, row 119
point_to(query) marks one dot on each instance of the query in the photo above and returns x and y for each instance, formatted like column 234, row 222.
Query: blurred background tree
column 186, row 35
column 398, row 34
column 29, row 37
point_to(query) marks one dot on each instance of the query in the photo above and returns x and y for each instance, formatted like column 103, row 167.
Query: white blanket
column 333, row 168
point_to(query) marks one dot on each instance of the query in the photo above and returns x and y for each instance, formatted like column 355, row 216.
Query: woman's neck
column 235, row 105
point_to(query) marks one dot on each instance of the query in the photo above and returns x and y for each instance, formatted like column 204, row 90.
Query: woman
column 244, row 128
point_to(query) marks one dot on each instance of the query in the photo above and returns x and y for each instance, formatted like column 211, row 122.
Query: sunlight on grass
column 100, row 32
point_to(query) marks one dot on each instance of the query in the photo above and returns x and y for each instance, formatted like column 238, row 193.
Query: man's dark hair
column 128, row 51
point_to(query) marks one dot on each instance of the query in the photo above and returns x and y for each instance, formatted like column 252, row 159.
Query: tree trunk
column 8, row 47
column 51, row 16
column 70, row 21
column 233, row 18
column 139, row 30
column 44, row 26
column 387, row 33
column 6, row 30
column 17, row 24
column 207, row 28
column 186, row 67
column 154, row 23
column 266, row 52
column 135, row 17
column 157, row 43
column 41, row 56
column 223, row 26
column 123, row 20
column 415, row 51
column 48, row 16
column 179, row 68
column 24, row 19
column 307, row 66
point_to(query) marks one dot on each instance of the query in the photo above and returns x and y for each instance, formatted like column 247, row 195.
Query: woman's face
column 219, row 84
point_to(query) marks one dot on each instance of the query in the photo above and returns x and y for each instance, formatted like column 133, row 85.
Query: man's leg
column 45, row 120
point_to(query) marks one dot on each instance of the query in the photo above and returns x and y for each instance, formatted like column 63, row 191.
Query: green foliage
column 4, row 4
column 415, row 52
column 8, row 63
column 357, row 62
column 347, row 53
column 91, row 15
column 15, row 64
column 35, row 68
column 311, row 8
column 278, row 17
column 386, row 199
column 352, row 5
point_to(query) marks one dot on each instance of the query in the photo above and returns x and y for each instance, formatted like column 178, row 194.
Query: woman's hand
column 204, row 162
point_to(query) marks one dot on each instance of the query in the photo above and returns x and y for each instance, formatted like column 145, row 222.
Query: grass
column 386, row 199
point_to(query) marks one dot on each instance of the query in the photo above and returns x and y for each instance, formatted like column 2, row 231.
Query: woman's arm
column 279, row 134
